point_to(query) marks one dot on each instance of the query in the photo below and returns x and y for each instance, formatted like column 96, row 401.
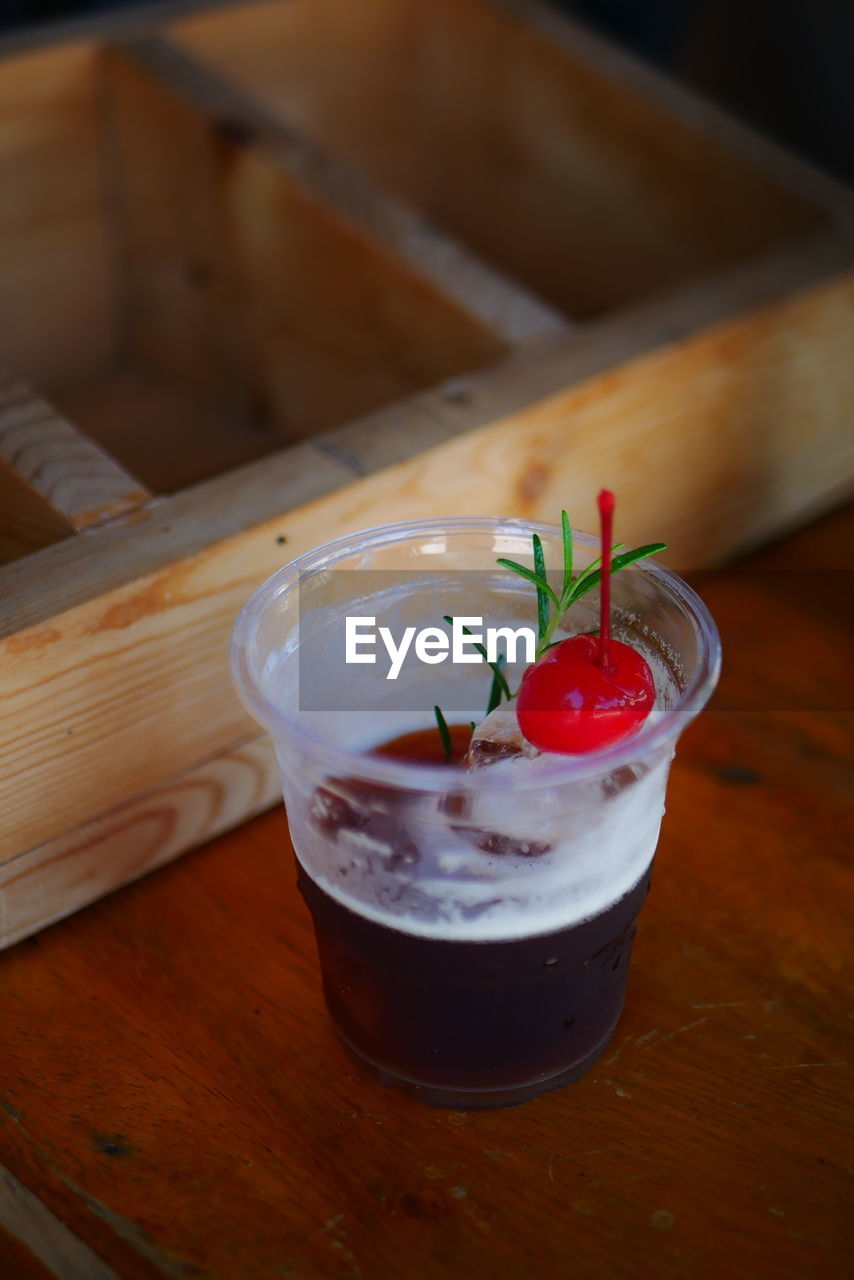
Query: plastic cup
column 473, row 927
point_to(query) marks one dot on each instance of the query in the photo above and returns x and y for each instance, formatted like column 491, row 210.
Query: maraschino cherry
column 589, row 692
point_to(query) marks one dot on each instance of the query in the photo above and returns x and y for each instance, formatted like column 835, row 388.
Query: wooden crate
column 275, row 272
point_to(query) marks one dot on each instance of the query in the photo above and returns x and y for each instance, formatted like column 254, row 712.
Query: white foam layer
column 430, row 873
column 599, row 848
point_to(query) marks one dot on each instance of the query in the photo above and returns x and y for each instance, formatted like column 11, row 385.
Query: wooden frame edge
column 63, row 576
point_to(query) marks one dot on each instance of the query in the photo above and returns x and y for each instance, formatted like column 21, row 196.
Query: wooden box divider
column 480, row 290
column 68, row 480
column 277, row 272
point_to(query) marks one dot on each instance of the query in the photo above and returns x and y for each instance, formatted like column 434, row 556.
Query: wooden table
column 175, row 1104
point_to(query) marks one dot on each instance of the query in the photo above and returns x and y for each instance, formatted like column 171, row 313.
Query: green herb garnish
column 499, row 685
column 551, row 607
column 444, row 733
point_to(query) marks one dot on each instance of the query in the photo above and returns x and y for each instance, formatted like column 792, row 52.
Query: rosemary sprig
column 497, row 689
column 544, row 593
column 566, row 530
column 444, row 733
column 499, row 685
column 550, row 606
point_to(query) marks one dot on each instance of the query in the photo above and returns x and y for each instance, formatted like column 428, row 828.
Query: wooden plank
column 65, row 472
column 543, row 367
column 497, row 302
column 713, row 443
column 499, row 128
column 90, row 709
column 59, row 877
column 55, row 248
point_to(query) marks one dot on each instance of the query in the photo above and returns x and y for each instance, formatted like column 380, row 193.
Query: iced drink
column 473, row 926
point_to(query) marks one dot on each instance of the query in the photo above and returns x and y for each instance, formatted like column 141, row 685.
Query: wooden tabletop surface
column 174, row 1103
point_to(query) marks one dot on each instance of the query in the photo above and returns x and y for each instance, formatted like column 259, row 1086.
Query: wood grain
column 27, row 522
column 56, row 305
column 173, row 1093
column 133, row 838
column 106, row 671
column 500, row 126
column 66, row 473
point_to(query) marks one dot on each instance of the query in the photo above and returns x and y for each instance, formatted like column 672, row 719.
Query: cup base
column 467, row 1099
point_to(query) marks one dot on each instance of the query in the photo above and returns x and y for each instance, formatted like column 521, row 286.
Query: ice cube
column 503, row 845
column 498, row 737
column 368, row 819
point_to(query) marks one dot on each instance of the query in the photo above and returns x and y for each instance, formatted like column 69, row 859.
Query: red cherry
column 589, row 691
column 570, row 704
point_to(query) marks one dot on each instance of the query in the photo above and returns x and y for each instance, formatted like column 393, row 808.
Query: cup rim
column 442, row 778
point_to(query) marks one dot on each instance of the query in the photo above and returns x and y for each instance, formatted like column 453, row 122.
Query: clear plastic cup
column 473, row 927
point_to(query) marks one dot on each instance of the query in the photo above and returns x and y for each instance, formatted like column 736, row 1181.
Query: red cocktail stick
column 605, row 502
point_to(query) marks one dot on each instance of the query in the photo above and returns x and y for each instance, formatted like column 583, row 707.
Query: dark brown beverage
column 474, row 1022
column 469, row 1023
